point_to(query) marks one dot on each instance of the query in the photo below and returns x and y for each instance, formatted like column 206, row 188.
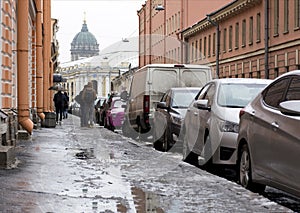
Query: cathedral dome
column 84, row 44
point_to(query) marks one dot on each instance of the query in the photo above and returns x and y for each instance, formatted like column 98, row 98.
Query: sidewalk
column 73, row 169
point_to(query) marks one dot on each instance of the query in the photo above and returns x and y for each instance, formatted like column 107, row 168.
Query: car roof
column 185, row 88
column 293, row 72
column 242, row 80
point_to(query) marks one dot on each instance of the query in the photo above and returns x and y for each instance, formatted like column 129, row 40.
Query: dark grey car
column 269, row 137
column 170, row 112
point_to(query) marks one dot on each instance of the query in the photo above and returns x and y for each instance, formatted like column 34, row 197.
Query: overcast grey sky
column 108, row 20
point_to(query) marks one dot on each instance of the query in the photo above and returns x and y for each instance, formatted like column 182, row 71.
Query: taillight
column 146, row 103
column 242, row 112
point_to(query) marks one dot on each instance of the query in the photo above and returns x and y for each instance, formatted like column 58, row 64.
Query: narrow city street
column 75, row 169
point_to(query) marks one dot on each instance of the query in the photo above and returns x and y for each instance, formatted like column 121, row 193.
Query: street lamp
column 159, row 7
column 218, row 43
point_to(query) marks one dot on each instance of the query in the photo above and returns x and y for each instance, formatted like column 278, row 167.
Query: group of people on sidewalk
column 86, row 99
column 61, row 103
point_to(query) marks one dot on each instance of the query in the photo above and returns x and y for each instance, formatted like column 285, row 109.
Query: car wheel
column 244, row 171
column 165, row 144
column 188, row 155
column 128, row 131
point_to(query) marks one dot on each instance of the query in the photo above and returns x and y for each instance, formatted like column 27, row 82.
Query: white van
column 148, row 85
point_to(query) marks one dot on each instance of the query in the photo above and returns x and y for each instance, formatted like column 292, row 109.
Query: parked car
column 99, row 112
column 115, row 114
column 269, row 137
column 148, row 85
column 74, row 108
column 211, row 124
column 170, row 112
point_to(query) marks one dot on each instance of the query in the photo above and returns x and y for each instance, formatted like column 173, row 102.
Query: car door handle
column 195, row 113
column 275, row 125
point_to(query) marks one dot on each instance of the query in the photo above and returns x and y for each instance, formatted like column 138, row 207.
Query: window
column 274, row 94
column 209, row 45
column 244, row 33
column 293, row 92
column 230, row 38
column 297, row 13
column 258, row 26
column 202, row 93
column 237, row 35
column 196, row 50
column 286, row 16
column 276, row 17
column 251, row 30
column 214, row 44
column 192, row 52
column 204, row 47
column 200, row 48
column 224, row 40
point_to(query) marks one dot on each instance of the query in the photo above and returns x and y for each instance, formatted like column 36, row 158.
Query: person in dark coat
column 59, row 99
column 66, row 106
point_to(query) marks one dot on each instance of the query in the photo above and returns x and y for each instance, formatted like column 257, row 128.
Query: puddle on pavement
column 85, row 154
column 145, row 201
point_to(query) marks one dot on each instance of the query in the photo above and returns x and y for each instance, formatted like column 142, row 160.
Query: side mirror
column 202, row 104
column 161, row 105
column 290, row 107
column 124, row 95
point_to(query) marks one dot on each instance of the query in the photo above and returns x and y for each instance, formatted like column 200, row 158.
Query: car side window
column 203, row 92
column 210, row 94
column 293, row 92
column 275, row 93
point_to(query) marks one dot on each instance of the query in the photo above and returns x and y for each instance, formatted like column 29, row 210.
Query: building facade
column 101, row 69
column 25, row 30
column 257, row 39
column 160, row 24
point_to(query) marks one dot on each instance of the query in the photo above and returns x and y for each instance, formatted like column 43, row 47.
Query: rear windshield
column 164, row 80
column 194, row 78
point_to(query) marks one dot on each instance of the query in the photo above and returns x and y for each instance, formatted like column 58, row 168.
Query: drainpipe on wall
column 22, row 66
column 266, row 39
column 39, row 61
column 46, row 55
column 218, row 44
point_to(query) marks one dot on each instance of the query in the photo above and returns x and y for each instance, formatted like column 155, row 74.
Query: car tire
column 188, row 155
column 128, row 131
column 244, row 171
column 166, row 144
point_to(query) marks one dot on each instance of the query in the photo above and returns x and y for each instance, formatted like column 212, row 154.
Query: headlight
column 176, row 119
column 227, row 126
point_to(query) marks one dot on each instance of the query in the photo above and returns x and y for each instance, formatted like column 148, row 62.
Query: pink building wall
column 160, row 30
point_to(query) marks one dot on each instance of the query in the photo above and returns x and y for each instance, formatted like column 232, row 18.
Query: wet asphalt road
column 74, row 169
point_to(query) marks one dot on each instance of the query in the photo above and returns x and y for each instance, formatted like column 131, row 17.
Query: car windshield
column 118, row 103
column 182, row 99
column 236, row 95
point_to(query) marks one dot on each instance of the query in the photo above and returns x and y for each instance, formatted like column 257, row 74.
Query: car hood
column 228, row 114
column 179, row 111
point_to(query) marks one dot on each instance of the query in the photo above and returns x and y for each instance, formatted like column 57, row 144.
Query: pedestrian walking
column 66, row 106
column 89, row 96
column 82, row 113
column 59, row 99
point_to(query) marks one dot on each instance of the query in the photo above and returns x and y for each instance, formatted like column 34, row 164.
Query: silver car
column 210, row 127
column 269, row 137
column 170, row 112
